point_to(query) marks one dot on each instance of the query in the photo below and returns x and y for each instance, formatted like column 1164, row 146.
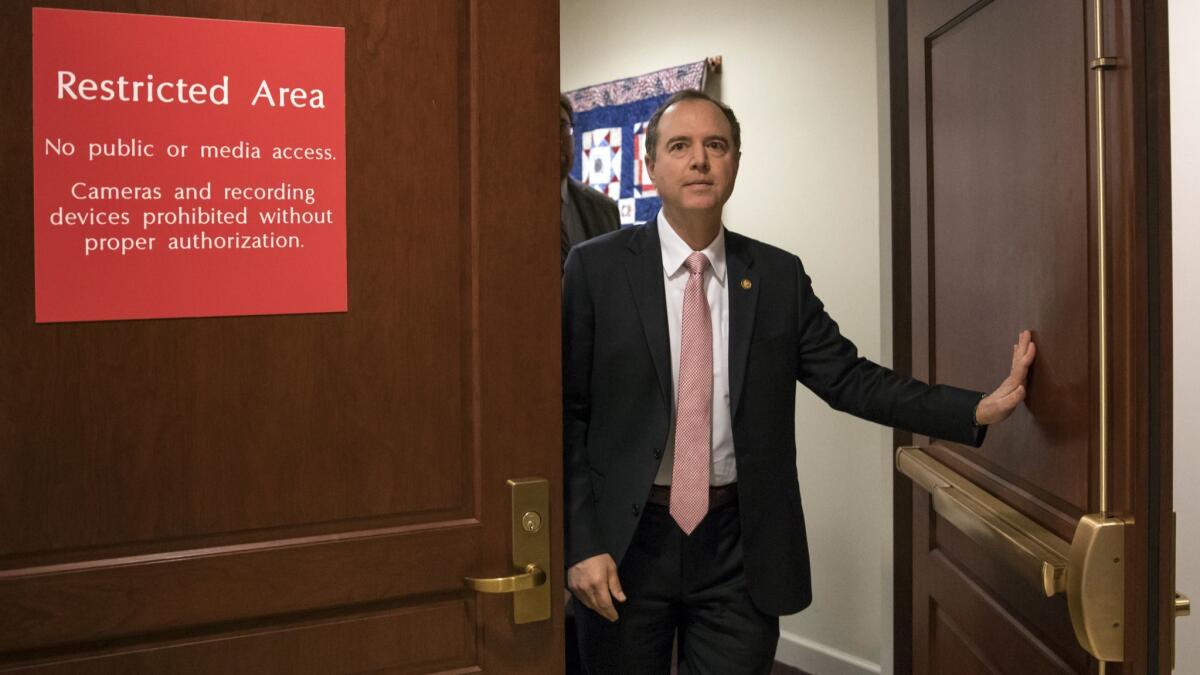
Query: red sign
column 186, row 167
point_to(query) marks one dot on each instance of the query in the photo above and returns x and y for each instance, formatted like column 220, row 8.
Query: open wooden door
column 306, row 493
column 1032, row 193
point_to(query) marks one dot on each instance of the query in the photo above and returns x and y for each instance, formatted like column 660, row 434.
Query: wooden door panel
column 954, row 645
column 985, row 612
column 1001, row 210
column 404, row 640
column 306, row 493
column 1000, row 243
column 991, row 604
column 967, row 617
column 169, row 410
column 982, row 608
column 951, row 650
column 1007, row 236
column 114, row 598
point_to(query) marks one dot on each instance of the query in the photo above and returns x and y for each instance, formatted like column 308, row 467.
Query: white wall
column 802, row 77
column 1184, row 16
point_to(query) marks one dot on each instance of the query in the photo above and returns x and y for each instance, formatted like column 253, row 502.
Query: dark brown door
column 999, row 220
column 306, row 493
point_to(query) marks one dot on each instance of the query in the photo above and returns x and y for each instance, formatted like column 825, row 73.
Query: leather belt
column 718, row 495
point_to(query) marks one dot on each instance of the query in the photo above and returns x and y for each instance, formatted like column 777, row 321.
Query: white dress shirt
column 716, row 288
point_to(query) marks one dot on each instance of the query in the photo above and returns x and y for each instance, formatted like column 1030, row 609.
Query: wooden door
column 306, row 493
column 997, row 224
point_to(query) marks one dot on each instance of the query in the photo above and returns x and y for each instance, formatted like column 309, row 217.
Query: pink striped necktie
column 693, row 409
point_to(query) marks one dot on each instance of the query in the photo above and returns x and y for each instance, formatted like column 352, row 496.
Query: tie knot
column 696, row 263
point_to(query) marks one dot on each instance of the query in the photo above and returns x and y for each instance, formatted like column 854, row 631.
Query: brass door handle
column 1089, row 570
column 532, row 577
column 529, row 525
column 1183, row 606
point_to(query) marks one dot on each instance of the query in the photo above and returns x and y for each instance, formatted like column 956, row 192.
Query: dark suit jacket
column 618, row 399
column 598, row 213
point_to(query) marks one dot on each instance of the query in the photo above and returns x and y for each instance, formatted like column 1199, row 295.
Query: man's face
column 566, row 144
column 695, row 164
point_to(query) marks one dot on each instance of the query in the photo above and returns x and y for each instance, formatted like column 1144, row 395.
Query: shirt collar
column 675, row 251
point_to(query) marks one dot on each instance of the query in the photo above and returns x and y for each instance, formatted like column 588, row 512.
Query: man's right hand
column 594, row 582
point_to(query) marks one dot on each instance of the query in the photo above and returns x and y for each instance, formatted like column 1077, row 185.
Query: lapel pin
column 746, row 284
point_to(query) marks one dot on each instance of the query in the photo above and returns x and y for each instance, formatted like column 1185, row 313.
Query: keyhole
column 531, row 522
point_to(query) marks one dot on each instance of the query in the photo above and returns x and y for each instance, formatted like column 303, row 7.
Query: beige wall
column 801, row 76
column 1185, row 169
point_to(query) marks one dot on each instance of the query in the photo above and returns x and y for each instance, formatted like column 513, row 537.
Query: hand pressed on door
column 999, row 404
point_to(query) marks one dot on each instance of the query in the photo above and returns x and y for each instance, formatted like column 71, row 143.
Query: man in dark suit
column 682, row 344
column 585, row 212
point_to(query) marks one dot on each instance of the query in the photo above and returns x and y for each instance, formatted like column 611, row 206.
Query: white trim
column 818, row 659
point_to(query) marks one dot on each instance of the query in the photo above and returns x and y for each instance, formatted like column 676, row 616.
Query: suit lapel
column 645, row 272
column 743, row 285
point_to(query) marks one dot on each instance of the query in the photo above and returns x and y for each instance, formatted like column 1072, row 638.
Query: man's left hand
column 1000, row 403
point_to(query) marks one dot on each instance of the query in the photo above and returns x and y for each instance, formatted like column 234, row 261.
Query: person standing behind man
column 585, row 212
column 683, row 343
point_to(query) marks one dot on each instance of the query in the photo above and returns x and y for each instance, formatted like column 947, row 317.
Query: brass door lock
column 530, row 553
column 531, row 522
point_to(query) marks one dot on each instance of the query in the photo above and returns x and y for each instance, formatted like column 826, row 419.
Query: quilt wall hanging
column 610, row 135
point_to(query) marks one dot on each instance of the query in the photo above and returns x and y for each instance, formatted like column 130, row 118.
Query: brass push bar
column 1090, row 569
column 1030, row 550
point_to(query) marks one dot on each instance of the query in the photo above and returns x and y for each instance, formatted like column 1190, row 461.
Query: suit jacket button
column 657, row 453
column 635, row 510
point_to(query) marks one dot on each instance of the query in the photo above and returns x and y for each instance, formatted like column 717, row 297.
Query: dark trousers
column 571, row 640
column 693, row 585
